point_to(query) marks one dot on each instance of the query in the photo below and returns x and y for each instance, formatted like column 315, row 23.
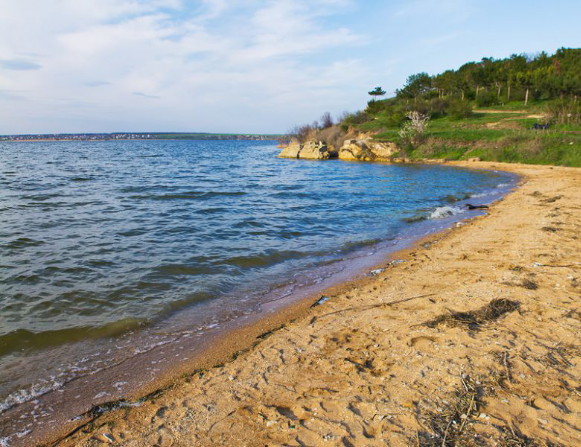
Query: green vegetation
column 519, row 109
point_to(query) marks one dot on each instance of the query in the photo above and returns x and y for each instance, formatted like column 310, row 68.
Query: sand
column 473, row 340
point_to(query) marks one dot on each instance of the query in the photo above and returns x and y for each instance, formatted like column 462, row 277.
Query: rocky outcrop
column 311, row 150
column 360, row 149
column 367, row 150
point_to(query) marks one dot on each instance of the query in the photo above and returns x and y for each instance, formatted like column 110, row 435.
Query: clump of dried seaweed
column 474, row 319
column 452, row 424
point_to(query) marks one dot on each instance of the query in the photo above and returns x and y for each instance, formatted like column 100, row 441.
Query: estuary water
column 111, row 249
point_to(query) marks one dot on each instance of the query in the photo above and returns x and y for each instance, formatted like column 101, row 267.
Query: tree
column 326, row 120
column 417, row 85
column 413, row 131
column 376, row 92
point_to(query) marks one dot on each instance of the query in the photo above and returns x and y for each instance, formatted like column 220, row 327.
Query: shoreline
column 235, row 336
column 248, row 340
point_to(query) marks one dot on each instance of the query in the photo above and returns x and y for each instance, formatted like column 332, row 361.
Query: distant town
column 135, row 136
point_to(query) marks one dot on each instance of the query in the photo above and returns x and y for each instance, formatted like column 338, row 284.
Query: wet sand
column 473, row 340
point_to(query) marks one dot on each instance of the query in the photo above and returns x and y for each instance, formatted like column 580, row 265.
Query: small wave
column 23, row 242
column 185, row 270
column 416, row 218
column 478, row 196
column 249, row 223
column 352, row 246
column 23, row 339
column 188, row 195
column 444, row 211
column 214, row 210
column 24, row 395
column 450, row 198
column 263, row 260
column 133, row 232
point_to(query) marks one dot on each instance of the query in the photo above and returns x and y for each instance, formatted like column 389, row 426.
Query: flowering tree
column 414, row 130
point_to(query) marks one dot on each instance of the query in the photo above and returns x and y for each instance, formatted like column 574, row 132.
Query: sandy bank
column 415, row 355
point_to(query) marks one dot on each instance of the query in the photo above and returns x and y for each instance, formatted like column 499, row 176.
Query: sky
column 243, row 66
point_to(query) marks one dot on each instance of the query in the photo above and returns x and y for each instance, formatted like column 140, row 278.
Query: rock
column 316, row 150
column 367, row 150
column 312, row 150
column 291, row 151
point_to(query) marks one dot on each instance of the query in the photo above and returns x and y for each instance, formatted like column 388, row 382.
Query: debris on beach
column 476, row 207
column 376, row 272
column 321, row 300
column 472, row 320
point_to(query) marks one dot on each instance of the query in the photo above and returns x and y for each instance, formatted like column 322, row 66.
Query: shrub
column 302, row 133
column 333, row 136
column 486, row 99
column 353, row 119
column 458, row 109
column 413, row 131
column 565, row 111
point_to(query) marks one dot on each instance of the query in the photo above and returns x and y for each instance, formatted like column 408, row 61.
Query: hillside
column 519, row 109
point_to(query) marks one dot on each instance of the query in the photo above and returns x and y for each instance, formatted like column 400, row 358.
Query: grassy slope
column 499, row 133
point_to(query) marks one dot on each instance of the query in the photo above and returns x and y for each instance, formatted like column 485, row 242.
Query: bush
column 458, row 109
column 332, row 136
column 413, row 131
column 438, row 107
column 565, row 111
column 353, row 119
column 302, row 133
column 486, row 99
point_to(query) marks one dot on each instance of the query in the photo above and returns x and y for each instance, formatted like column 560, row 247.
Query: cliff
column 363, row 148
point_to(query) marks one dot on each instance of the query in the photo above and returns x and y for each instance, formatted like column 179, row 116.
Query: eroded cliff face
column 359, row 149
column 311, row 150
column 365, row 149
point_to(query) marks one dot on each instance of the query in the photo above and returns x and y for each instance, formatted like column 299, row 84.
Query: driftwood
column 384, row 304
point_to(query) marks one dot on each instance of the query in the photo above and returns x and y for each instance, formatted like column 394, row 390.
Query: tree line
column 454, row 93
column 490, row 81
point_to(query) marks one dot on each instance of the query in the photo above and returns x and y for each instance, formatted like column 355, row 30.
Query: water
column 110, row 249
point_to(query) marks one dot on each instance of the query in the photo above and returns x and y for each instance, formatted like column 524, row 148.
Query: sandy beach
column 468, row 338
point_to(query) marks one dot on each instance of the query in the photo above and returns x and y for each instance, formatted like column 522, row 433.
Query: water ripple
column 99, row 238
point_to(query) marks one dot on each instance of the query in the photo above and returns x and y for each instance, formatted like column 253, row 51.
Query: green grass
column 499, row 135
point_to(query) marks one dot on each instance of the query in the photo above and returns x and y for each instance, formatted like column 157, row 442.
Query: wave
column 24, row 339
column 450, row 198
column 188, row 195
column 24, row 395
column 445, row 211
column 23, row 242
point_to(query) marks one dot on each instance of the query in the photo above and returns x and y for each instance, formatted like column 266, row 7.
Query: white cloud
column 81, row 65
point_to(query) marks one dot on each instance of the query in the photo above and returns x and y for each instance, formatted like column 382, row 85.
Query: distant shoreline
column 123, row 136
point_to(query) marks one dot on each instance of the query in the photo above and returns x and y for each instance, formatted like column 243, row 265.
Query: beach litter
column 376, row 272
column 320, row 301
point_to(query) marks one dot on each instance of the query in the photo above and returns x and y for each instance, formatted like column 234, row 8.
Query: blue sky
column 242, row 66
